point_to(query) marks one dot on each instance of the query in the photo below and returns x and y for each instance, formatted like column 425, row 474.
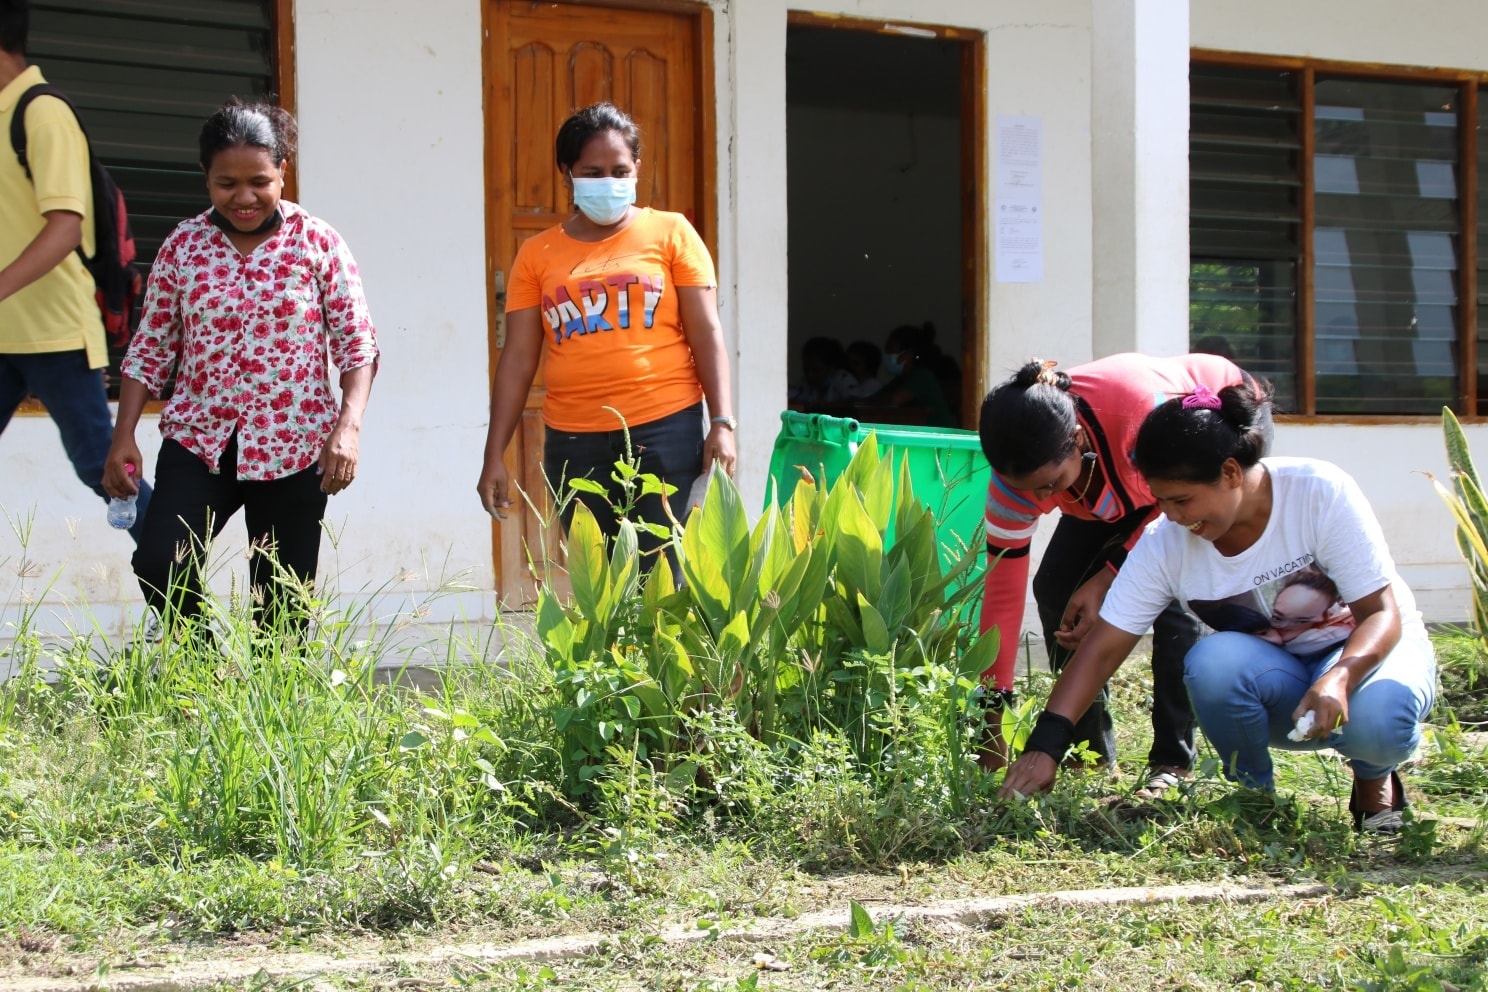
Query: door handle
column 500, row 285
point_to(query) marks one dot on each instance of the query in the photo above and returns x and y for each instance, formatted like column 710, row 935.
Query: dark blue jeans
column 74, row 395
column 670, row 449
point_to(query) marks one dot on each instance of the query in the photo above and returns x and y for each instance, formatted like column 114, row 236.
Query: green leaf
column 588, row 486
column 734, row 639
column 841, row 617
column 864, row 463
column 894, row 601
column 877, row 490
column 1459, row 455
column 652, row 486
column 860, row 926
column 980, row 656
column 859, row 549
column 587, row 564
column 772, row 550
column 715, row 543
column 554, row 629
column 876, row 636
column 412, row 741
column 632, row 706
column 805, row 510
column 681, row 778
column 659, row 584
column 672, row 668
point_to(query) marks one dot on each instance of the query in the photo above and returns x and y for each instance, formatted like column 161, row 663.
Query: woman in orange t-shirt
column 624, row 302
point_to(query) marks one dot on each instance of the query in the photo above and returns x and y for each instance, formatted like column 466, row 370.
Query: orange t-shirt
column 609, row 312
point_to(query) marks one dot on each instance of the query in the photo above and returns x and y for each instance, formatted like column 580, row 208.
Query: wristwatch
column 728, row 422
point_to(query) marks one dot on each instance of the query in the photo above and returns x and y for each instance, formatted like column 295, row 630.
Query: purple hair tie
column 1202, row 398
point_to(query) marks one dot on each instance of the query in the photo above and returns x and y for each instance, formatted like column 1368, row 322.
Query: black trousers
column 670, row 448
column 1075, row 553
column 193, row 504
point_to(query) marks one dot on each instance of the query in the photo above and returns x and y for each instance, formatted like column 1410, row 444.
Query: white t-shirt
column 1322, row 549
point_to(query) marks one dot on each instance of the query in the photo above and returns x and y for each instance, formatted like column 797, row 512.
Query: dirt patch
column 220, row 964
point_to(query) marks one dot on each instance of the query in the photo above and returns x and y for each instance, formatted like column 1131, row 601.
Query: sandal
column 1161, row 780
column 1385, row 821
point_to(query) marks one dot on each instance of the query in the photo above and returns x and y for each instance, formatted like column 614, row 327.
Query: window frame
column 1469, row 83
column 281, row 24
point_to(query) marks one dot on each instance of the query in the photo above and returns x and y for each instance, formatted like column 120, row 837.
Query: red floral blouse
column 248, row 337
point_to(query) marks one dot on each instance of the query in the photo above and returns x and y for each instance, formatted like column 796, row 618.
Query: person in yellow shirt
column 51, row 335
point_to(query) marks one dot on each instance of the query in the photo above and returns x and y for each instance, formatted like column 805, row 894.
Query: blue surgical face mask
column 891, row 363
column 604, row 200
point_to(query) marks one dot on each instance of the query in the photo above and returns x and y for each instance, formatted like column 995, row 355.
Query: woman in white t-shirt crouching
column 1316, row 636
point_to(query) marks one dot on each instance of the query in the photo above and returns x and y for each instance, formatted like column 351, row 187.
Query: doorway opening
column 884, row 131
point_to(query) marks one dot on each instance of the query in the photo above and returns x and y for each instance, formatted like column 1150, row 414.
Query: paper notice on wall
column 1019, row 211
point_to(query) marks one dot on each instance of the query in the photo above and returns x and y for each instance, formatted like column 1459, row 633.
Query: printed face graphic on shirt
column 620, row 301
column 1296, row 607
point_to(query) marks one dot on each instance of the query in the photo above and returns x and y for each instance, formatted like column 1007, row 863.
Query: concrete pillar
column 1139, row 155
column 752, row 139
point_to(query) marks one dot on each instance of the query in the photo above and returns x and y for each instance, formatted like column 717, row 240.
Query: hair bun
column 1039, row 372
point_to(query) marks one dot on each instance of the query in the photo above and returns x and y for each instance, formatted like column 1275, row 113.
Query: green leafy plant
column 805, row 621
column 865, row 945
column 1469, row 506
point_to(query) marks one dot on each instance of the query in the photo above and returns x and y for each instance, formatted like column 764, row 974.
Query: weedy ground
column 177, row 802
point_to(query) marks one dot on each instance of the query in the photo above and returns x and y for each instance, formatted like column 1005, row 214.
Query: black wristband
column 1052, row 734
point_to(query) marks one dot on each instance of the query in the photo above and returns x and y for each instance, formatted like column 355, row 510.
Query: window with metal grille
column 143, row 75
column 1328, row 209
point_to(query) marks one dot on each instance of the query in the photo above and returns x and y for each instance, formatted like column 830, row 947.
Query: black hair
column 1312, row 578
column 583, row 125
column 918, row 340
column 1191, row 443
column 256, row 125
column 1029, row 420
column 1227, row 615
column 828, row 351
column 15, row 25
column 869, row 352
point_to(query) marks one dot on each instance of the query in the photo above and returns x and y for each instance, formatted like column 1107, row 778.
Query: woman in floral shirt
column 247, row 303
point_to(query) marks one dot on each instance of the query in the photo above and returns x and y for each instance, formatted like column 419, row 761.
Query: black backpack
column 118, row 282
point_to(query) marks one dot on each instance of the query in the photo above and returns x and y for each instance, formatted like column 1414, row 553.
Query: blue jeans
column 1244, row 690
column 670, row 448
column 74, row 395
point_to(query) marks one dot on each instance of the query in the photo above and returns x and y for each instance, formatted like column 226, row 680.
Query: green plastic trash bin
column 946, row 466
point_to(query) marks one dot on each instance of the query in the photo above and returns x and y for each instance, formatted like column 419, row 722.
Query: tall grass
column 293, row 746
column 234, row 776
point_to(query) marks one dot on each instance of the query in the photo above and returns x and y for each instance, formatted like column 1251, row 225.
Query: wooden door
column 543, row 61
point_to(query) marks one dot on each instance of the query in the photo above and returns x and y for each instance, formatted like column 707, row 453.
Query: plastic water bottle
column 121, row 512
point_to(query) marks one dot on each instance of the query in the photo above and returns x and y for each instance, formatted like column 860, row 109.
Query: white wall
column 1390, row 462
column 392, row 156
column 1446, row 33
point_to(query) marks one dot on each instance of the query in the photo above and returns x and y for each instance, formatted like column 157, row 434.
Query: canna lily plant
column 1469, row 508
column 807, row 620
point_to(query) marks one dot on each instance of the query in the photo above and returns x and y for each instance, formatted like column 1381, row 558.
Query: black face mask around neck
column 226, row 226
